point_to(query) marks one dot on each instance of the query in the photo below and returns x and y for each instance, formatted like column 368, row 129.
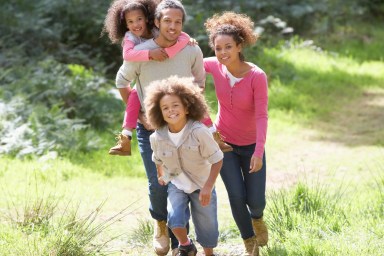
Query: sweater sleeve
column 261, row 111
column 126, row 74
column 182, row 41
column 209, row 149
column 152, row 140
column 130, row 54
column 198, row 71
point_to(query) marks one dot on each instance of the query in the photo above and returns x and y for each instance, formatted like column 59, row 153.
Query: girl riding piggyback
column 131, row 22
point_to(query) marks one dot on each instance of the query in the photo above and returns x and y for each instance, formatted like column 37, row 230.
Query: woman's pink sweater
column 242, row 116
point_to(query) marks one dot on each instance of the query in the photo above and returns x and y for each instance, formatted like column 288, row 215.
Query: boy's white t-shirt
column 182, row 181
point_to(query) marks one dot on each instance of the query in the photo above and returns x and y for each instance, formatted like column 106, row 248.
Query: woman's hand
column 256, row 164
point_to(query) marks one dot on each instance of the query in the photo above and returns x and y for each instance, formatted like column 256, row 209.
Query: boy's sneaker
column 188, row 250
column 123, row 146
column 219, row 140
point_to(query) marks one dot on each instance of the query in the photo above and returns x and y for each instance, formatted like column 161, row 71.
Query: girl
column 242, row 92
column 187, row 158
column 133, row 20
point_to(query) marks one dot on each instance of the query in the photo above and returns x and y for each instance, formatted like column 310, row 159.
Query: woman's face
column 136, row 22
column 226, row 49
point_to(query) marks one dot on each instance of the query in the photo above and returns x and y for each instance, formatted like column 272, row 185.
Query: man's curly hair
column 239, row 26
column 189, row 93
column 114, row 23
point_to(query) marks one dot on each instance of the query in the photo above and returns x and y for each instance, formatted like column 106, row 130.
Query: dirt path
column 331, row 147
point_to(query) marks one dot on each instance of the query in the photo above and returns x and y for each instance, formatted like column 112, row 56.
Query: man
column 169, row 18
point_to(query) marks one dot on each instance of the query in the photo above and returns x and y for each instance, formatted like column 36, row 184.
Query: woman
column 242, row 92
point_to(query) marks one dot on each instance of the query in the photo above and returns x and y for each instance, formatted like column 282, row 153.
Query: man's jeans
column 246, row 191
column 157, row 193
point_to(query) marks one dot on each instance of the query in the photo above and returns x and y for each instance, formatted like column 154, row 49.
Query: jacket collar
column 162, row 132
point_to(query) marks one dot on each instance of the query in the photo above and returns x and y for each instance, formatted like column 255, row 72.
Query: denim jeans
column 157, row 193
column 246, row 191
column 204, row 218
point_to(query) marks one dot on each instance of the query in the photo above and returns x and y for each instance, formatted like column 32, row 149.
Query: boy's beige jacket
column 196, row 152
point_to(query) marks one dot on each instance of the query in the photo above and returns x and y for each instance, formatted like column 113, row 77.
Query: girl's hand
column 158, row 54
column 256, row 164
column 205, row 196
column 192, row 41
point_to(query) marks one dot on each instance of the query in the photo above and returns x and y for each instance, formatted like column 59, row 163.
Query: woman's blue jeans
column 157, row 193
column 246, row 191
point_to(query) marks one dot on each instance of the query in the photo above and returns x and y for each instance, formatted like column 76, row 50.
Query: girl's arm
column 182, row 41
column 130, row 54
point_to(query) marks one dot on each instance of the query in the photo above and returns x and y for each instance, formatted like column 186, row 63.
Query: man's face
column 170, row 25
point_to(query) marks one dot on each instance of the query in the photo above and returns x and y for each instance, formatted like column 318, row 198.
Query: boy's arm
column 160, row 174
column 206, row 191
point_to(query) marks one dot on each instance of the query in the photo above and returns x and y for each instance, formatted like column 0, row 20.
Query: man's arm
column 197, row 67
column 126, row 74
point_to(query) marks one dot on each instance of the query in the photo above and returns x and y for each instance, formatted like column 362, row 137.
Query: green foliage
column 50, row 106
column 52, row 231
column 142, row 234
column 287, row 210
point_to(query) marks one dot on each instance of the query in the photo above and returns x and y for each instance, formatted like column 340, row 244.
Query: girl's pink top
column 242, row 116
column 129, row 54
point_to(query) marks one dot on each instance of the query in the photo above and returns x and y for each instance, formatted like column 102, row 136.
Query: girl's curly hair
column 189, row 93
column 239, row 26
column 114, row 23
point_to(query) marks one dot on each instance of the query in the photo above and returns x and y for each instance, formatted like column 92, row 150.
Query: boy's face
column 136, row 22
column 170, row 25
column 174, row 112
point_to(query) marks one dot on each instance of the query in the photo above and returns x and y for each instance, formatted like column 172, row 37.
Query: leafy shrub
column 51, row 106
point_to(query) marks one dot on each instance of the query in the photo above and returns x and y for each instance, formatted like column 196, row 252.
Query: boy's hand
column 205, row 196
column 158, row 54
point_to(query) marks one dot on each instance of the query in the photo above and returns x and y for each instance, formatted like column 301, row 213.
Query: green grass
column 335, row 206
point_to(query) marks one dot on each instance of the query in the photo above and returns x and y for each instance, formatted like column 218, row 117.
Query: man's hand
column 144, row 121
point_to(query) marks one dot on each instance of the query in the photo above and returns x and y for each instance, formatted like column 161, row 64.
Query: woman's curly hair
column 189, row 93
column 114, row 23
column 239, row 26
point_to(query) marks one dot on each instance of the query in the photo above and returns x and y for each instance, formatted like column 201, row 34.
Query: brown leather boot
column 123, row 146
column 251, row 247
column 260, row 230
column 219, row 140
column 161, row 238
